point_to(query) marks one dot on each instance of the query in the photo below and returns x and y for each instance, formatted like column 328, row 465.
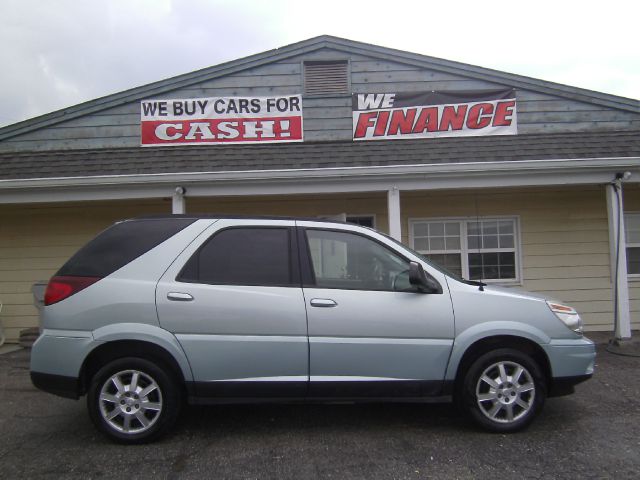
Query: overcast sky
column 57, row 53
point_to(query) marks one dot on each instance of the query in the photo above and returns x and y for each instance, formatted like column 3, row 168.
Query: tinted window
column 242, row 256
column 120, row 244
column 350, row 261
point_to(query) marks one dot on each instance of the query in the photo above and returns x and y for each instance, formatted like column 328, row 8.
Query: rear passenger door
column 234, row 301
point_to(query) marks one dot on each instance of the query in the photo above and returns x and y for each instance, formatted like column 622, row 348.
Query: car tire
column 503, row 390
column 133, row 400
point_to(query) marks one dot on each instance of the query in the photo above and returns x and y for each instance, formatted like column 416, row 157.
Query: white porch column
column 393, row 209
column 178, row 202
column 618, row 252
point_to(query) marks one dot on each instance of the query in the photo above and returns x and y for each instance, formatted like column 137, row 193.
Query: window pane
column 506, row 241
column 633, row 260
column 420, row 229
column 452, row 229
column 450, row 261
column 421, row 244
column 473, row 228
column 452, row 243
column 490, row 227
column 505, row 226
column 243, row 256
column 436, row 229
column 436, row 243
column 349, row 261
column 473, row 242
column 490, row 241
column 632, row 228
column 492, row 265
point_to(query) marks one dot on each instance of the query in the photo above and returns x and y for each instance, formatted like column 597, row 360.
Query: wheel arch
column 489, row 343
column 115, row 349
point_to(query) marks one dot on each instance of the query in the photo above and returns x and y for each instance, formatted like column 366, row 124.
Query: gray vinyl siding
column 326, row 118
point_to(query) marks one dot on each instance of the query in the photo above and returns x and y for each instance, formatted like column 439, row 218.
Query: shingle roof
column 217, row 158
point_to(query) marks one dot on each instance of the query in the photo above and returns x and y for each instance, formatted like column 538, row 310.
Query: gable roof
column 122, row 162
column 307, row 46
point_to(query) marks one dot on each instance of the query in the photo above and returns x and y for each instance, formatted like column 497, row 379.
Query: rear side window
column 242, row 256
column 121, row 244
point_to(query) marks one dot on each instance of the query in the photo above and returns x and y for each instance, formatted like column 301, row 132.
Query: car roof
column 198, row 216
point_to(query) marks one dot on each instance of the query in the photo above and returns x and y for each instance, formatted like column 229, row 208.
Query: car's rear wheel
column 503, row 390
column 132, row 400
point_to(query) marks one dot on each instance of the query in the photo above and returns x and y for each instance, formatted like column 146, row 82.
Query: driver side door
column 370, row 332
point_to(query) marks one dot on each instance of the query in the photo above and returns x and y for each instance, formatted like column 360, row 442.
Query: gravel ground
column 591, row 434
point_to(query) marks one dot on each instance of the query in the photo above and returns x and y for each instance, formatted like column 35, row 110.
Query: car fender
column 479, row 331
column 145, row 333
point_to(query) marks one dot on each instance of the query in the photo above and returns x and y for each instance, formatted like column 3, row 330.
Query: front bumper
column 571, row 362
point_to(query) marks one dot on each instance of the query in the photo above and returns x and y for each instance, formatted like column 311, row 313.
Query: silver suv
column 157, row 311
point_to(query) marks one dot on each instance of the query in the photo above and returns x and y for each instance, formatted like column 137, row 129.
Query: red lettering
column 402, row 121
column 427, row 120
column 453, row 117
column 504, row 113
column 480, row 116
column 365, row 121
column 381, row 124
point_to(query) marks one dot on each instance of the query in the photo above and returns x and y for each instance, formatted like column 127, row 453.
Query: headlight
column 568, row 316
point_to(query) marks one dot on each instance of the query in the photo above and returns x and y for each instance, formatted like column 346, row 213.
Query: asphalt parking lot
column 594, row 433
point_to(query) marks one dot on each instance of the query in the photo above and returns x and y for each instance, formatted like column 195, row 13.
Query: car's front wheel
column 132, row 400
column 503, row 390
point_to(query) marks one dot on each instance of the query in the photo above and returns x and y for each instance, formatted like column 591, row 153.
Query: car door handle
column 179, row 297
column 323, row 302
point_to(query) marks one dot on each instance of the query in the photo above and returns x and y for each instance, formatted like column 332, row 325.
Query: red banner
column 221, row 120
column 384, row 116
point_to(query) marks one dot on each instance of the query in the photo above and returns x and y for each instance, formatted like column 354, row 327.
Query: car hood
column 517, row 292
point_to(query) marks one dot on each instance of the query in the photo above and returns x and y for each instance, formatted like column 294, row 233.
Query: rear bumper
column 68, row 387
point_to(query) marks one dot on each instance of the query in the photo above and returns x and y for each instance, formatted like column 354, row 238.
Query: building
column 497, row 176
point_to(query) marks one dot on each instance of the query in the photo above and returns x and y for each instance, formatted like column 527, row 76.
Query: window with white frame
column 632, row 237
column 477, row 249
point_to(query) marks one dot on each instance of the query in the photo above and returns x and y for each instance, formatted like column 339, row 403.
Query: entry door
column 370, row 332
column 236, row 306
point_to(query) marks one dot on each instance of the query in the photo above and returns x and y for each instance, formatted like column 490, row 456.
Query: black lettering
column 243, row 104
column 294, row 104
column 216, row 106
column 271, row 103
column 191, row 111
column 149, row 109
column 202, row 104
column 232, row 107
column 162, row 109
column 255, row 106
column 282, row 104
column 177, row 108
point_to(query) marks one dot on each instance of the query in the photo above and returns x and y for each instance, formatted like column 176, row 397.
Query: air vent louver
column 323, row 78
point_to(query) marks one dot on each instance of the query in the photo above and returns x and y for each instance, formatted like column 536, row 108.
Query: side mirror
column 423, row 282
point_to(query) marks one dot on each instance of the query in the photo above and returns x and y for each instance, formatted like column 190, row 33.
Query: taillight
column 60, row 288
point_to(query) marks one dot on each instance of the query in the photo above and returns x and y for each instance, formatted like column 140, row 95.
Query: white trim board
column 322, row 180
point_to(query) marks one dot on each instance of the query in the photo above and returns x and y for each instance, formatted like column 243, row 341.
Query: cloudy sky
column 57, row 53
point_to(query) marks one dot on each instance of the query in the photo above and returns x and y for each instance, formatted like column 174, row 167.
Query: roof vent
column 326, row 78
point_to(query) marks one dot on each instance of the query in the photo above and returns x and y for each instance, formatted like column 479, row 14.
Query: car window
column 120, row 244
column 242, row 256
column 350, row 261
